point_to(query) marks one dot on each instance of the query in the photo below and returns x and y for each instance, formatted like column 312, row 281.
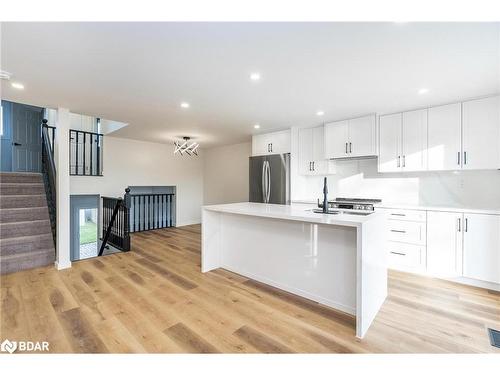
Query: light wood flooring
column 155, row 299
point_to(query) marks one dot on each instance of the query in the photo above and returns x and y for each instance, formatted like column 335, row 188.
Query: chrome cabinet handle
column 459, row 225
column 264, row 184
column 313, row 166
column 404, row 161
column 346, row 148
column 466, row 224
column 350, row 147
column 398, row 231
column 399, row 161
column 458, row 157
column 465, row 160
column 16, row 144
column 398, row 214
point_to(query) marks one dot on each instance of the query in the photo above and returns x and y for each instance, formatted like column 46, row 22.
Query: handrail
column 118, row 204
column 49, row 173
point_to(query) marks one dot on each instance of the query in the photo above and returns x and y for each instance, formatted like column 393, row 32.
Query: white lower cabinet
column 461, row 246
column 481, row 247
column 444, row 243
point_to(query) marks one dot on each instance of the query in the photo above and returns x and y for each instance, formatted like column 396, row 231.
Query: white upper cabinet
column 482, row 247
column 311, row 156
column 336, row 139
column 403, row 142
column 271, row 143
column 444, row 243
column 414, row 141
column 389, row 159
column 444, row 137
column 351, row 138
column 481, row 133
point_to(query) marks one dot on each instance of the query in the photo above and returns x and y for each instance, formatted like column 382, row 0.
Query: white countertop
column 297, row 212
column 441, row 208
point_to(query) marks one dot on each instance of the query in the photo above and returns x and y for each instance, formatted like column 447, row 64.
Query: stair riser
column 10, row 230
column 27, row 247
column 22, row 189
column 20, row 178
column 26, row 262
column 22, row 201
column 26, row 214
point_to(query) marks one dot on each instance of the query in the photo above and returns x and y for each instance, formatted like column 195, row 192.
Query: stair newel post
column 126, row 219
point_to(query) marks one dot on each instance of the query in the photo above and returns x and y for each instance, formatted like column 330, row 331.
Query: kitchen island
column 336, row 260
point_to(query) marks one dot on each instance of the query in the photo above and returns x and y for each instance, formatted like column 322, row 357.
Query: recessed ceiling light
column 17, row 85
column 256, row 126
column 423, row 91
column 255, row 76
column 320, row 113
column 184, row 105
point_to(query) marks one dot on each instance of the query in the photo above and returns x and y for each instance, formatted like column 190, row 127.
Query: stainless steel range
column 359, row 206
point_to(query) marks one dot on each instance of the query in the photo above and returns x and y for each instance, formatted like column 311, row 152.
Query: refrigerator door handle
column 264, row 185
column 268, row 192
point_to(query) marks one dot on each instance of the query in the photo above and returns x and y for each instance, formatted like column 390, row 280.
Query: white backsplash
column 360, row 179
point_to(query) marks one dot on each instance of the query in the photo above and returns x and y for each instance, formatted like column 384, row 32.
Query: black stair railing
column 115, row 224
column 49, row 172
column 150, row 211
column 85, row 153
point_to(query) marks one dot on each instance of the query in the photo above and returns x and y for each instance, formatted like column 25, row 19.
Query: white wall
column 360, row 179
column 226, row 174
column 129, row 162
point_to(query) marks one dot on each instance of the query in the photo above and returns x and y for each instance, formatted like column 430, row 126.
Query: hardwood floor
column 155, row 299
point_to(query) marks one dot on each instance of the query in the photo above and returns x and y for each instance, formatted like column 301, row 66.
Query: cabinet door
column 414, row 141
column 444, row 243
column 389, row 159
column 362, row 141
column 481, row 133
column 444, row 136
column 280, row 142
column 336, row 140
column 305, row 158
column 482, row 247
column 318, row 143
column 260, row 144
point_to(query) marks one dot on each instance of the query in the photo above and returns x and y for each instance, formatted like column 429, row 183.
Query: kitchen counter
column 297, row 212
column 337, row 260
column 402, row 206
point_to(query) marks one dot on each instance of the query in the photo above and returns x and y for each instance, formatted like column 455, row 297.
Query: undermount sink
column 337, row 212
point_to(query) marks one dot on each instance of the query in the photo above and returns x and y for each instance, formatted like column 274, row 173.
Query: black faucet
column 325, row 197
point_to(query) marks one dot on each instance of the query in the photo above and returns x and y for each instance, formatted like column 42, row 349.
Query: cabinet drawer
column 407, row 231
column 407, row 215
column 406, row 256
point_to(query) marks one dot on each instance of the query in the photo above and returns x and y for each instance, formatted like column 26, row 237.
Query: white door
column 305, row 158
column 280, row 142
column 320, row 164
column 481, row 133
column 482, row 247
column 414, row 141
column 444, row 243
column 362, row 141
column 444, row 136
column 389, row 159
column 260, row 144
column 336, row 140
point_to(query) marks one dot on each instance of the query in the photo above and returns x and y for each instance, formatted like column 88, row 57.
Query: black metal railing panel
column 150, row 211
column 49, row 172
column 86, row 153
column 115, row 224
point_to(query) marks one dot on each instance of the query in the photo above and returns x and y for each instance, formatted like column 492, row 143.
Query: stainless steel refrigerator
column 270, row 179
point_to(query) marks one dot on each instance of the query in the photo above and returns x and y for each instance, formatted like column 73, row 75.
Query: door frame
column 78, row 202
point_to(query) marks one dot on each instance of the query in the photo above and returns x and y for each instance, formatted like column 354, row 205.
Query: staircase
column 26, row 239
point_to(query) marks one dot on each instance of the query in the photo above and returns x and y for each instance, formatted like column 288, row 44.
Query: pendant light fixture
column 186, row 147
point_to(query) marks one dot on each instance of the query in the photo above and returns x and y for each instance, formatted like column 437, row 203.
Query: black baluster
column 84, row 151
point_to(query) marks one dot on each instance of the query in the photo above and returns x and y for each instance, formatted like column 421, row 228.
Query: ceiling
column 139, row 73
